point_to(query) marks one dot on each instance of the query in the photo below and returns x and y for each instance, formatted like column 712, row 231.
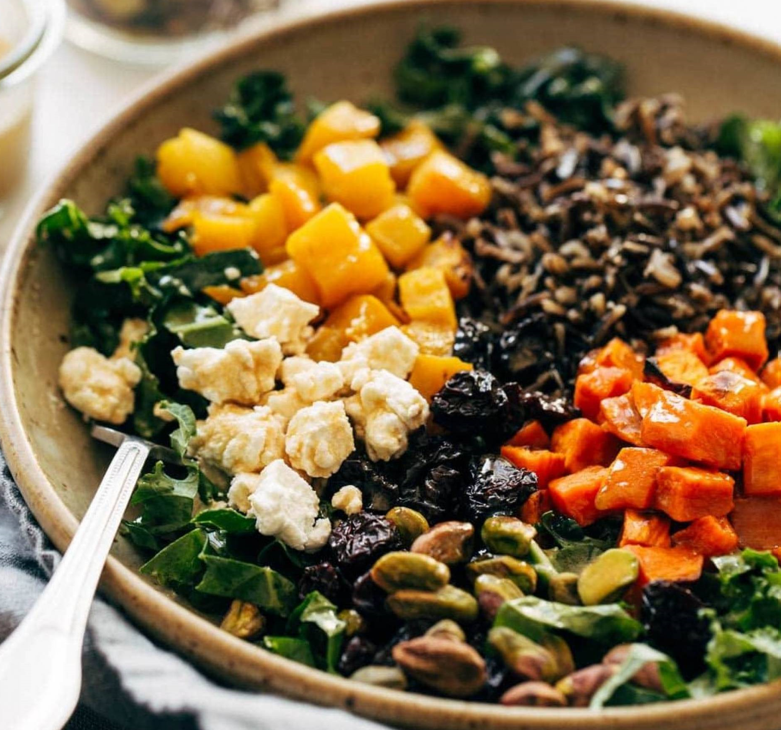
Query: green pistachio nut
column 524, row 657
column 563, row 588
column 409, row 522
column 507, row 536
column 447, row 629
column 399, row 570
column 533, row 694
column 606, row 578
column 579, row 687
column 449, row 542
column 505, row 566
column 243, row 620
column 448, row 602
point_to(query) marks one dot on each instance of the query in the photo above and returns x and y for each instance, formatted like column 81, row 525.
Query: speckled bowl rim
column 222, row 654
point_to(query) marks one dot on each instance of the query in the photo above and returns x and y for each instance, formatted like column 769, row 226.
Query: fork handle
column 40, row 663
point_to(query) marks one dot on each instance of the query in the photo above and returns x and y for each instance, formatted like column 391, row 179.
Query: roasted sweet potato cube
column 615, row 354
column 583, row 444
column 447, row 254
column 631, row 479
column 531, row 434
column 574, row 495
column 709, row 536
column 667, row 563
column 738, row 334
column 762, row 460
column 757, row 521
column 545, row 464
column 648, row 529
column 771, row 373
column 620, row 417
column 693, row 343
column 732, row 393
column 536, row 506
column 598, row 385
column 771, row 405
column 688, row 492
column 644, row 396
column 681, row 366
column 693, row 431
column 431, row 372
column 736, row 365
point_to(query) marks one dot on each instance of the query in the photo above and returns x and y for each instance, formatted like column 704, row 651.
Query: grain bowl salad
column 477, row 392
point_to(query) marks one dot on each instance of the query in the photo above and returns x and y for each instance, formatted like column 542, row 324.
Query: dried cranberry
column 653, row 374
column 358, row 652
column 496, row 487
column 408, row 630
column 369, row 598
column 548, row 410
column 474, row 343
column 321, row 577
column 379, row 492
column 357, row 541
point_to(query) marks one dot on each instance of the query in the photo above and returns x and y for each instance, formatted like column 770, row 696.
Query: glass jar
column 156, row 31
column 29, row 32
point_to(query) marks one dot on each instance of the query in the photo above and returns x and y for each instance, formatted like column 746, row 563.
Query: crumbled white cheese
column 98, row 387
column 232, row 273
column 284, row 404
column 319, row 438
column 313, row 381
column 348, row 499
column 242, row 372
column 389, row 349
column 276, row 312
column 133, row 330
column 239, row 439
column 390, row 408
column 284, row 506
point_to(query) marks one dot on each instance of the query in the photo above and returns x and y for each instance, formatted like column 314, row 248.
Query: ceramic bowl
column 347, row 54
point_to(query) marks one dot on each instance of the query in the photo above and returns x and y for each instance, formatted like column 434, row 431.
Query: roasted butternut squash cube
column 359, row 317
column 425, row 296
column 584, row 444
column 431, row 372
column 298, row 190
column 270, row 228
column 326, row 345
column 399, row 233
column 444, row 184
column 193, row 163
column 591, row 389
column 221, row 233
column 222, row 293
column 183, row 214
column 546, row 465
column 356, row 175
column 256, row 165
column 338, row 254
column 288, row 275
column 686, row 493
column 407, row 149
column 447, row 254
column 762, row 460
column 433, row 338
column 738, row 334
column 340, row 122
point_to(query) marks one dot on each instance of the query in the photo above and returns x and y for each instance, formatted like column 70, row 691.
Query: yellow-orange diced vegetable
column 631, row 479
column 433, row 338
column 547, row 465
column 620, row 417
column 771, row 405
column 694, row 431
column 647, row 529
column 667, row 563
column 256, row 165
column 771, row 374
column 693, row 343
column 182, row 215
column 221, row 233
column 574, row 494
column 757, row 521
column 359, row 317
column 644, row 396
column 598, row 385
column 762, row 460
column 688, row 492
column 536, row 506
column 682, row 366
column 288, row 275
column 738, row 334
column 407, row 149
column 531, row 434
column 615, row 354
column 583, row 444
column 447, row 254
column 326, row 344
column 194, row 163
column 736, row 365
column 338, row 254
column 431, row 372
column 709, row 536
column 733, row 393
column 340, row 122
column 399, row 233
column 298, row 190
column 223, row 293
column 444, row 184
column 270, row 228
column 356, row 175
column 425, row 296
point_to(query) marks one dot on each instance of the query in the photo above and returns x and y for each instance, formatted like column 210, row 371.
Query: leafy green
column 140, row 536
column 316, row 621
column 296, row 649
column 261, row 109
column 264, row 587
column 150, row 200
column 185, row 417
column 575, row 549
column 532, row 616
column 197, row 325
column 167, row 502
column 225, row 519
column 179, row 563
column 741, row 659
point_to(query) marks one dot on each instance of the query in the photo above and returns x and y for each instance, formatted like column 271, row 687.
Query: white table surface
column 77, row 90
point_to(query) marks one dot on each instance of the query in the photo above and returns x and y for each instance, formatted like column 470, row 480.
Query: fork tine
column 116, row 438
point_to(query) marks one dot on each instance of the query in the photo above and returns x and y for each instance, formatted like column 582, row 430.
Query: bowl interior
column 350, row 56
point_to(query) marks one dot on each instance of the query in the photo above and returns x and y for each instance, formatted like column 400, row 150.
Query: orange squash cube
column 221, row 233
column 692, row 343
column 584, row 444
column 338, row 255
column 407, row 149
column 222, row 293
column 209, row 205
column 444, row 184
column 536, row 506
column 757, row 521
column 667, row 563
column 615, row 354
column 598, row 385
column 356, row 175
column 359, row 317
column 270, row 228
column 193, row 163
column 425, row 296
column 733, row 393
column 326, row 345
column 686, row 493
column 340, row 122
column 771, row 373
column 736, row 365
column 288, row 275
column 547, row 465
column 433, row 338
column 709, row 536
column 431, row 372
column 298, row 190
column 531, row 434
column 447, row 254
column 738, row 334
column 647, row 529
column 682, row 366
column 762, row 460
column 771, row 405
column 645, row 396
column 693, row 431
column 631, row 479
column 399, row 233
column 574, row 495
column 256, row 166
column 620, row 417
